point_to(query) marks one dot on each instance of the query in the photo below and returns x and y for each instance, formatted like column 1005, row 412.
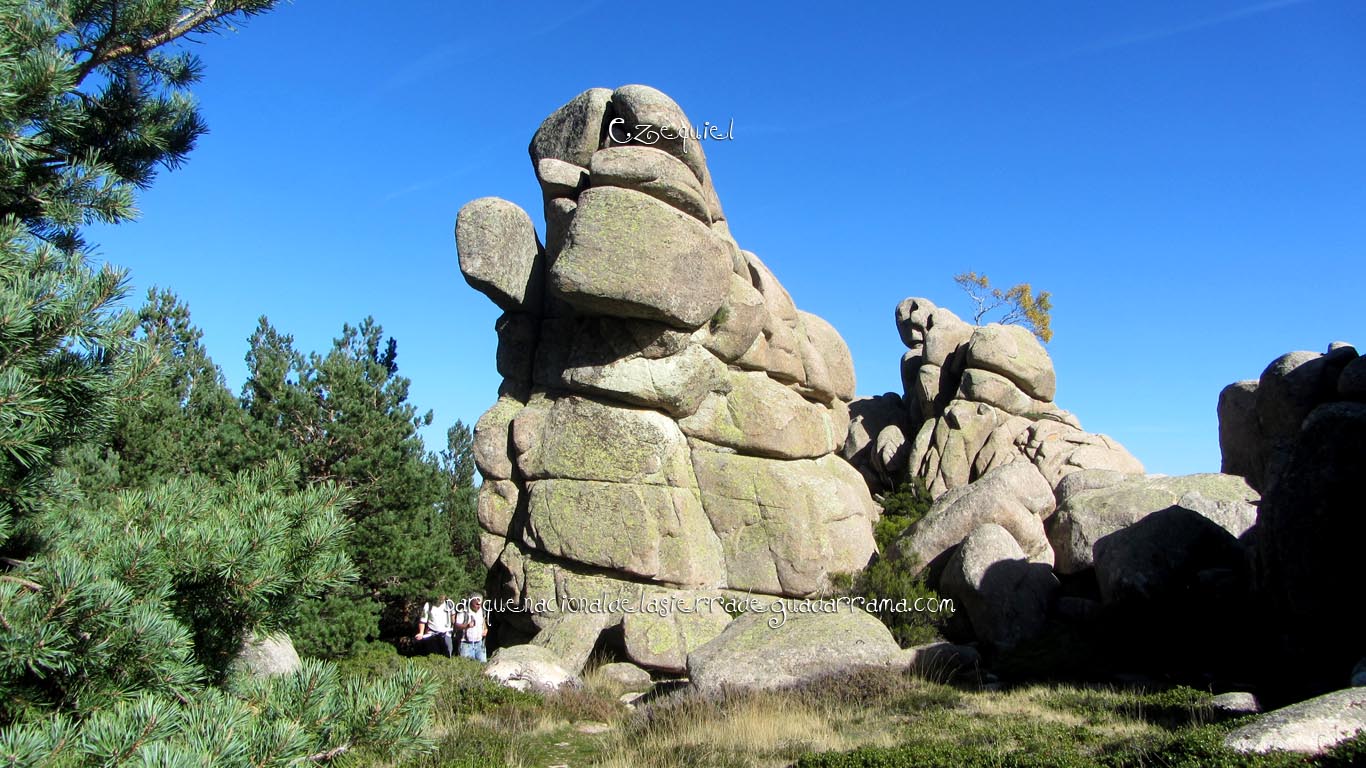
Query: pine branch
column 331, row 754
column 186, row 24
column 25, row 583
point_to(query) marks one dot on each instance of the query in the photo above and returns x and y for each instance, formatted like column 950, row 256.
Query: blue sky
column 1187, row 179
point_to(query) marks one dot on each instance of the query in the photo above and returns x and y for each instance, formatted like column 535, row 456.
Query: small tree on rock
column 1022, row 307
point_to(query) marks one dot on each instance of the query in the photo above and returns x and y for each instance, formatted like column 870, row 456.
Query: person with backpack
column 437, row 622
column 474, row 628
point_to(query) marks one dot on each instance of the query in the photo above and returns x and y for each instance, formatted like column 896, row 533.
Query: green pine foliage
column 144, row 536
column 888, row 581
column 66, row 359
column 189, row 423
column 345, row 417
column 120, row 614
column 93, row 100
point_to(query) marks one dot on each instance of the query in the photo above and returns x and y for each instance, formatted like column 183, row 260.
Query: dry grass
column 754, row 730
column 482, row 725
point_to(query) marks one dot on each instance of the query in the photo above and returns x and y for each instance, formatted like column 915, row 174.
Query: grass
column 864, row 719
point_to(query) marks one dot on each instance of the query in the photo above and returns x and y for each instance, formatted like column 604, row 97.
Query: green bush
column 462, row 690
column 889, row 579
column 902, row 507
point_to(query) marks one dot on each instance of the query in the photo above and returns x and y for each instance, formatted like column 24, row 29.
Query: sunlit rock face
column 668, row 423
column 975, row 398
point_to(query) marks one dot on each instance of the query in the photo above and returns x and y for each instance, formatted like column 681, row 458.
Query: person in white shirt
column 474, row 628
column 436, row 622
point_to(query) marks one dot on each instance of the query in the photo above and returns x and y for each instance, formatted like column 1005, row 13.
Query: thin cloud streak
column 1194, row 26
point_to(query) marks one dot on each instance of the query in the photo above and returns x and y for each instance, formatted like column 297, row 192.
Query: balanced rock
column 499, row 253
column 668, row 420
column 1240, row 433
column 976, row 399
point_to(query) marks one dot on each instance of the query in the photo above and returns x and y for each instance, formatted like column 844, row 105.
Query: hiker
column 474, row 627
column 436, row 622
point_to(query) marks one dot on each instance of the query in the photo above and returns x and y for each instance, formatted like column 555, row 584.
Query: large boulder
column 669, row 626
column 626, row 676
column 629, row 255
column 786, row 526
column 572, row 133
column 1310, row 528
column 1006, row 597
column 1163, row 554
column 1092, row 514
column 1013, row 352
column 530, row 668
column 653, row 172
column 499, row 253
column 647, row 116
column 776, row 649
column 1240, row 433
column 760, row 417
column 1312, row 727
column 572, row 636
column 1014, row 497
column 652, row 531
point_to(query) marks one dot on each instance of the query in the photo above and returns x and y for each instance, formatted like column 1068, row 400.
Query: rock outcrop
column 1259, row 420
column 668, row 420
column 1040, row 529
column 1301, row 438
column 975, row 398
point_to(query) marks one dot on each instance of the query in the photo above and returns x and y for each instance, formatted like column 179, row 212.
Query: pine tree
column 118, row 619
column 119, row 613
column 345, row 417
column 459, row 507
column 93, row 100
column 66, row 359
column 186, row 422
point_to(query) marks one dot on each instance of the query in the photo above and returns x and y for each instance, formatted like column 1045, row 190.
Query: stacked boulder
column 1039, row 528
column 668, row 424
column 1299, row 435
column 975, row 398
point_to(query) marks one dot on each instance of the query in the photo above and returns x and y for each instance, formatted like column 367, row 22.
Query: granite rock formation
column 1299, row 434
column 668, row 423
column 975, row 398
